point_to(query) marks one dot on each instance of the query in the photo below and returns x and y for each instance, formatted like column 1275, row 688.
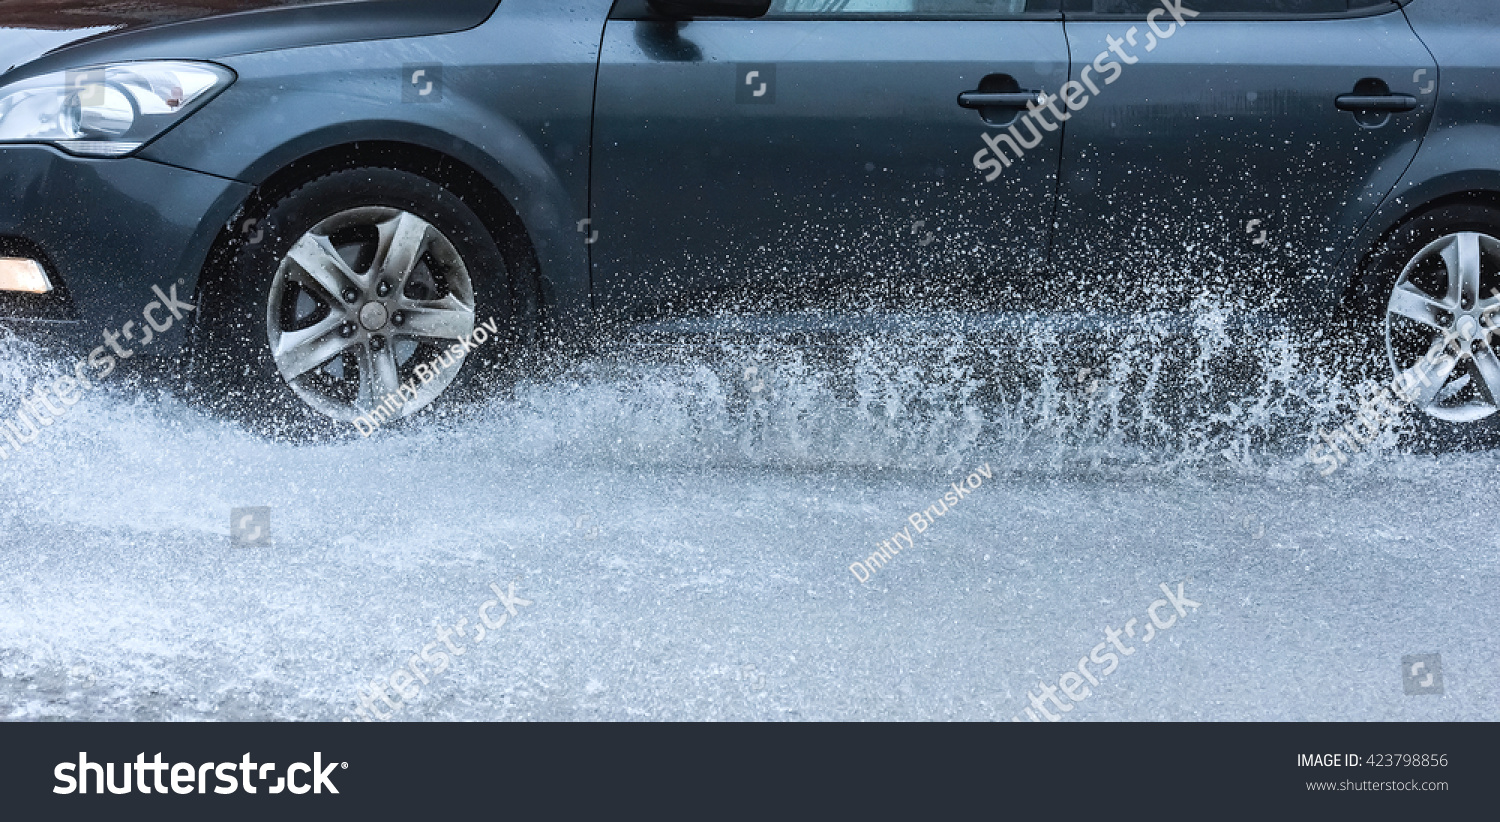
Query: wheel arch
column 1356, row 289
column 494, row 209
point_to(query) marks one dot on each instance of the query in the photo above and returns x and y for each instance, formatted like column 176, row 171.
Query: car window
column 922, row 8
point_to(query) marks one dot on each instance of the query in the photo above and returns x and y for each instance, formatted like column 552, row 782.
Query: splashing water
column 1159, row 402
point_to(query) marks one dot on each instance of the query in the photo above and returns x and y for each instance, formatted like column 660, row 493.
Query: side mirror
column 683, row 9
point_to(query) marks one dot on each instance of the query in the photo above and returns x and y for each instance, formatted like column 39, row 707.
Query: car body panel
column 144, row 223
column 154, row 31
column 519, row 116
column 19, row 46
column 1218, row 164
column 850, row 186
column 514, row 105
column 1461, row 153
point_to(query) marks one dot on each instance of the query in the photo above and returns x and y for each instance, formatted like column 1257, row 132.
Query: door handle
column 1375, row 102
column 999, row 99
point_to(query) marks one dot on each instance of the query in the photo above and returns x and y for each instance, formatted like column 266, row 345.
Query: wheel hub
column 373, row 316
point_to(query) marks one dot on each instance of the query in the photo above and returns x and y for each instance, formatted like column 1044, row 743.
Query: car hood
column 48, row 34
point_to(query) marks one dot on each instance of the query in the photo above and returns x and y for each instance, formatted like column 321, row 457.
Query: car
column 342, row 213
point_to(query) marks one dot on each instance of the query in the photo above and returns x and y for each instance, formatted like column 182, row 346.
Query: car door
column 1233, row 147
column 820, row 156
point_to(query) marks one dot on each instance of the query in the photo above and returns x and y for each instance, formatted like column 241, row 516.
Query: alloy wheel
column 1440, row 327
column 359, row 303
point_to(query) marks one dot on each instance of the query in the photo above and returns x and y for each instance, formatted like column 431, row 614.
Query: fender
column 522, row 122
column 1456, row 160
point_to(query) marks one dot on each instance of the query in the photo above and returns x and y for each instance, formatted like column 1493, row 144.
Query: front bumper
column 106, row 231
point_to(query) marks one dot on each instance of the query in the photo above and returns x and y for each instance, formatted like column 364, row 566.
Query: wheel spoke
column 1412, row 304
column 1461, row 258
column 365, row 399
column 402, row 242
column 324, row 267
column 446, row 319
column 1429, row 375
column 1488, row 370
column 378, row 377
column 298, row 352
column 1489, row 325
column 386, row 378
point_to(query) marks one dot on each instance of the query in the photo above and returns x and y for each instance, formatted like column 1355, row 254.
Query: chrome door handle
column 999, row 99
column 1375, row 102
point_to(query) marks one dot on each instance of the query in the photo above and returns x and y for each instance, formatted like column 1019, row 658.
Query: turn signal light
column 26, row 276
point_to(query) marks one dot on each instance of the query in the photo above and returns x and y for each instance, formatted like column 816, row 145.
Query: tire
column 343, row 313
column 1431, row 330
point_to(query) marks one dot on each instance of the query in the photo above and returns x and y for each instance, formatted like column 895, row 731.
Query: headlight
column 106, row 111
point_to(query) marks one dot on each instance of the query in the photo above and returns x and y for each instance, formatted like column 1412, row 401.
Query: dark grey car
column 343, row 211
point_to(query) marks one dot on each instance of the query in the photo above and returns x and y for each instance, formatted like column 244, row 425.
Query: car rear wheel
column 369, row 295
column 1436, row 297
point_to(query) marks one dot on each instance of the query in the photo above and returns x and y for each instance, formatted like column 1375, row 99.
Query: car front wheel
column 369, row 295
